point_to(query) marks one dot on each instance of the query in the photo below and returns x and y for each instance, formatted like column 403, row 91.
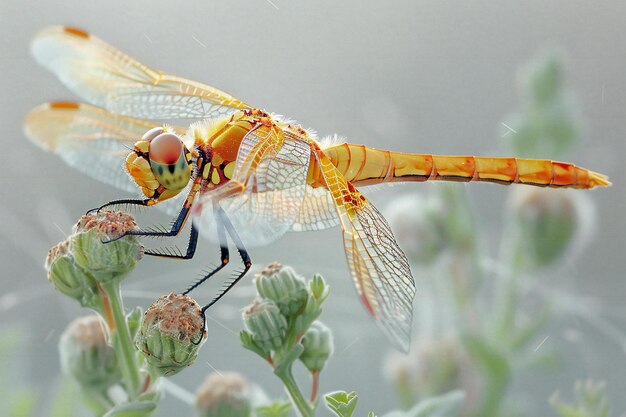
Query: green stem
column 283, row 371
column 305, row 408
column 98, row 400
column 121, row 340
column 509, row 290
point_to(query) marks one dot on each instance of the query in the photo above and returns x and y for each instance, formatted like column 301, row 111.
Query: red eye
column 152, row 133
column 165, row 148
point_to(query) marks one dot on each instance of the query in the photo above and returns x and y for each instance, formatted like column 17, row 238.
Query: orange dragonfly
column 242, row 173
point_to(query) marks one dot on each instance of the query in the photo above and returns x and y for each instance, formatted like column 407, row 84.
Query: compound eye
column 152, row 133
column 165, row 148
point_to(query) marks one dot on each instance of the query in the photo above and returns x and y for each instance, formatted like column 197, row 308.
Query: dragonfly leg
column 177, row 226
column 169, row 253
column 178, row 223
column 224, row 257
column 245, row 258
column 132, row 202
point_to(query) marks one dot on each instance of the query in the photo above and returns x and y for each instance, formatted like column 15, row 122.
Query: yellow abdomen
column 364, row 166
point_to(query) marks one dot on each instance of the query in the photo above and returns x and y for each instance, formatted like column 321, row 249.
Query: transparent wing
column 265, row 195
column 379, row 268
column 90, row 139
column 108, row 78
column 318, row 211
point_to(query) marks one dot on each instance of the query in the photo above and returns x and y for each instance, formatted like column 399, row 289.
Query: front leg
column 178, row 223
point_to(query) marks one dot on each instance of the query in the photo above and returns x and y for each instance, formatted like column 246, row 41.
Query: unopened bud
column 282, row 285
column 318, row 346
column 171, row 333
column 105, row 261
column 69, row 278
column 419, row 224
column 86, row 356
column 548, row 221
column 224, row 395
column 266, row 324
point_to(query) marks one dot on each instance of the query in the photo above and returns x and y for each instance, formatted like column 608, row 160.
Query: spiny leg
column 178, row 223
column 191, row 248
column 175, row 229
column 132, row 202
column 245, row 258
column 224, row 257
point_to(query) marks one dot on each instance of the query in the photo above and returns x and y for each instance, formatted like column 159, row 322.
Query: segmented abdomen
column 364, row 166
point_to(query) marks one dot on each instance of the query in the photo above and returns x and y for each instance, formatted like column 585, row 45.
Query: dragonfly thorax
column 160, row 164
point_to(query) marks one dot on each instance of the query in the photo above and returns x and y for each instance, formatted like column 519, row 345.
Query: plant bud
column 547, row 220
column 282, row 285
column 69, row 278
column 318, row 346
column 419, row 225
column 171, row 333
column 105, row 261
column 265, row 323
column 86, row 356
column 224, row 395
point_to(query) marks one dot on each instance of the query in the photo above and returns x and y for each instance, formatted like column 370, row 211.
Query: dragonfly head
column 160, row 163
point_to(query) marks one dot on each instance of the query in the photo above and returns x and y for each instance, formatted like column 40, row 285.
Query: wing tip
column 76, row 32
column 36, row 118
column 64, row 105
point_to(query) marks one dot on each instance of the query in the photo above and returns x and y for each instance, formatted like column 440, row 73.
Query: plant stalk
column 303, row 406
column 121, row 340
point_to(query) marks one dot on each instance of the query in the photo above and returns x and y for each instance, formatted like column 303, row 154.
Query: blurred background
column 415, row 76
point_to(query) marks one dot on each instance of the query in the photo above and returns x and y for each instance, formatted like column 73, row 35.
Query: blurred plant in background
column 489, row 323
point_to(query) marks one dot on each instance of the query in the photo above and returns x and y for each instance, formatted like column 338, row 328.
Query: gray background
column 423, row 76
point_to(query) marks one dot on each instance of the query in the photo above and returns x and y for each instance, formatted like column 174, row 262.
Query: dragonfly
column 242, row 174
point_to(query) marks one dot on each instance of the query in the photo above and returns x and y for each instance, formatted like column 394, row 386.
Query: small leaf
column 275, row 409
column 319, row 289
column 134, row 320
column 341, row 403
column 248, row 343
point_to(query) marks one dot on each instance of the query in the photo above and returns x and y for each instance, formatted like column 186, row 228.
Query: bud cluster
column 285, row 314
column 76, row 265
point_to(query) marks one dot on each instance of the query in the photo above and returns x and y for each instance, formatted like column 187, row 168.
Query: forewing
column 380, row 269
column 90, row 139
column 265, row 195
column 107, row 77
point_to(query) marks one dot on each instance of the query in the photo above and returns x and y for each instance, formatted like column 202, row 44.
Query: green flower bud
column 318, row 346
column 105, row 261
column 265, row 323
column 69, row 278
column 282, row 285
column 224, row 395
column 547, row 223
column 419, row 225
column 86, row 356
column 171, row 333
column 318, row 288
